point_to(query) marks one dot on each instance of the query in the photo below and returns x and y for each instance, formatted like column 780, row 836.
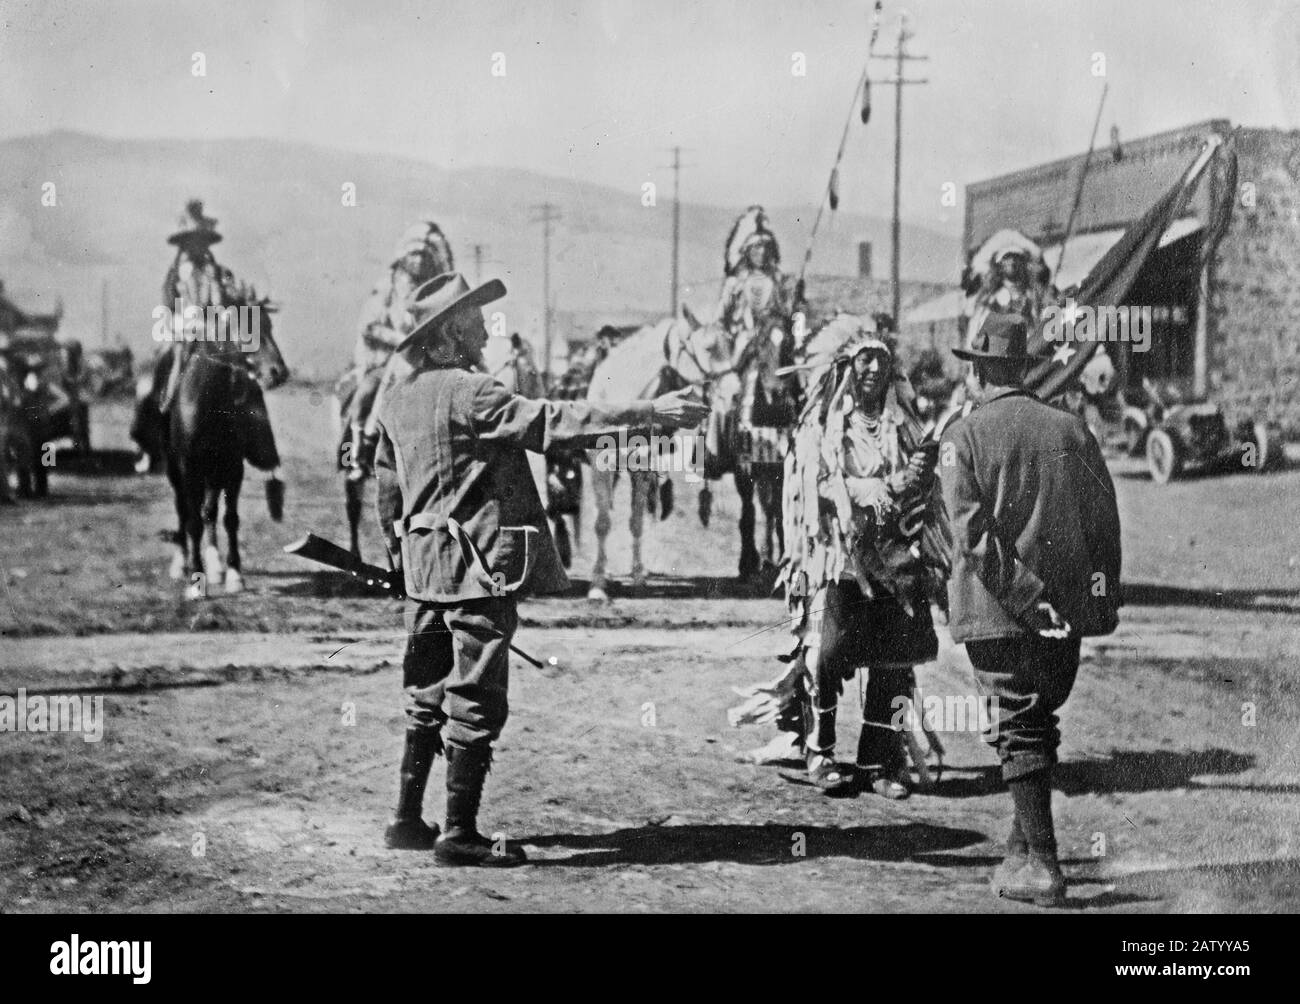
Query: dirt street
column 249, row 750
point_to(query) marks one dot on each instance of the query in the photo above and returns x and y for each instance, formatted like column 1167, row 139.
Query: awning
column 1084, row 251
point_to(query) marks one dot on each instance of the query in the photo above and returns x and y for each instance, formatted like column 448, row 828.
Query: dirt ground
column 250, row 744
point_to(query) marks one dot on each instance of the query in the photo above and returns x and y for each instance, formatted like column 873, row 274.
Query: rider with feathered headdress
column 755, row 309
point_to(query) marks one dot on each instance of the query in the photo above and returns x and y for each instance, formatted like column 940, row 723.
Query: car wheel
column 1164, row 456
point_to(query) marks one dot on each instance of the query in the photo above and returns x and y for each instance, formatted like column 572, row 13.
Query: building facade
column 1229, row 330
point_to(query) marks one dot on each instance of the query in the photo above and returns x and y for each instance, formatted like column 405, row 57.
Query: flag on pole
column 1114, row 275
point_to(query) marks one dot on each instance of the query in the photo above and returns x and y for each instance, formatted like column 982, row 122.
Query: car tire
column 1164, row 456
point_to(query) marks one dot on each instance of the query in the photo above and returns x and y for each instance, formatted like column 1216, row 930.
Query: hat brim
column 185, row 236
column 493, row 289
column 971, row 355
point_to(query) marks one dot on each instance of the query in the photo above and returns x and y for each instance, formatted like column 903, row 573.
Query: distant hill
column 286, row 229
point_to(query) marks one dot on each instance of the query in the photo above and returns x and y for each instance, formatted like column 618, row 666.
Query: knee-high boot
column 408, row 831
column 462, row 844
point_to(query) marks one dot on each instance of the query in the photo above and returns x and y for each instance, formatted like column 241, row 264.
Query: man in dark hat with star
column 1035, row 568
column 460, row 513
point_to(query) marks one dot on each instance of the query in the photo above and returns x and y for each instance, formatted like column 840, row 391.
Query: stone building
column 1230, row 330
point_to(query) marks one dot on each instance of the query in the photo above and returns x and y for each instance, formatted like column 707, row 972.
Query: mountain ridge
column 281, row 207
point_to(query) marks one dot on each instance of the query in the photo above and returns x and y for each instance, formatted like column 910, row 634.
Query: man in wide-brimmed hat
column 463, row 521
column 1035, row 567
column 193, row 279
column 196, row 280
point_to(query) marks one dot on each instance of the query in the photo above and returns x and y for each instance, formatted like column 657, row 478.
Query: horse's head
column 265, row 359
column 701, row 354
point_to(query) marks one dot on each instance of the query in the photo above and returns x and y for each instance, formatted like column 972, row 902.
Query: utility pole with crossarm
column 899, row 56
column 549, row 214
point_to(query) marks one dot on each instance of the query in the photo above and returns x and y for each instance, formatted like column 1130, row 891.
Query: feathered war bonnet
column 838, row 380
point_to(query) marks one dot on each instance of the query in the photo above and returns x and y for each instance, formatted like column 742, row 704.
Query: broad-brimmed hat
column 195, row 226
column 444, row 295
column 1001, row 336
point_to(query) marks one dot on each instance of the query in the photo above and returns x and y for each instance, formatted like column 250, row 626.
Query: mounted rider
column 194, row 284
column 1007, row 274
column 755, row 309
column 422, row 253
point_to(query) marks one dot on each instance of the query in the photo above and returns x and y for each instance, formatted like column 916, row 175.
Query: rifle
column 326, row 552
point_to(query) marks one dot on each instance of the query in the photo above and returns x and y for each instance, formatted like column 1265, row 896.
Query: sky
column 602, row 90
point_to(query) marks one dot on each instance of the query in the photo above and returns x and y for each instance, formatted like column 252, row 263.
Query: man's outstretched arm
column 539, row 425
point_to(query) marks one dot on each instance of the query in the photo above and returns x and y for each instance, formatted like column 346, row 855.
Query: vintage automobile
column 1178, row 436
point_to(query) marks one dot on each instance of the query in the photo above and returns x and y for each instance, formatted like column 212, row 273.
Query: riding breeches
column 456, row 670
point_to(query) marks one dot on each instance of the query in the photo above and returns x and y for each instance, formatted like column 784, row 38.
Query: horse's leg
column 769, row 494
column 180, row 566
column 748, row 553
column 562, row 542
column 602, row 487
column 234, row 582
column 212, row 567
column 642, row 485
column 353, row 492
column 577, row 518
column 199, row 579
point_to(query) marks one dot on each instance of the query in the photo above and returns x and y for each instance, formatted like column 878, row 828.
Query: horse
column 205, row 439
column 622, row 376
column 738, row 443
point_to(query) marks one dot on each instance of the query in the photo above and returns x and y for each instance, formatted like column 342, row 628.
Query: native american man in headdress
column 422, row 253
column 864, row 538
column 755, row 308
column 1009, row 274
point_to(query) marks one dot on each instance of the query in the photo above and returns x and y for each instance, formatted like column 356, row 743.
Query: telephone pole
column 677, row 220
column 478, row 262
column 549, row 214
column 900, row 55
column 103, row 315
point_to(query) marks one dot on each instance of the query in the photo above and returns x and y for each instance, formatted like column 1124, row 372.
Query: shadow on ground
column 1149, row 594
column 1263, row 886
column 752, row 845
column 1122, row 771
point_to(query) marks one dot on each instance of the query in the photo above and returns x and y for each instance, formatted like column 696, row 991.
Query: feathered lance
column 861, row 91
